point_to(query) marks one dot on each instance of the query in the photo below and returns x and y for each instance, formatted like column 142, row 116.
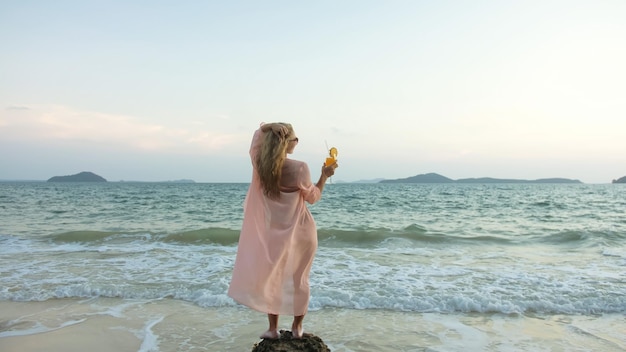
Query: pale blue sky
column 153, row 90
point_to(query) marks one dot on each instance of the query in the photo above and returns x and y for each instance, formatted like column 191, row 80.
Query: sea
column 416, row 267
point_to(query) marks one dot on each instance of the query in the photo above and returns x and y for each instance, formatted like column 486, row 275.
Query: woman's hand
column 329, row 170
column 281, row 131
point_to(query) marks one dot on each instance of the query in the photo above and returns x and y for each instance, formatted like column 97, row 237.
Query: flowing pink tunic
column 277, row 243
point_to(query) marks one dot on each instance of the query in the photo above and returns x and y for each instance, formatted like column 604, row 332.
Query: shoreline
column 106, row 324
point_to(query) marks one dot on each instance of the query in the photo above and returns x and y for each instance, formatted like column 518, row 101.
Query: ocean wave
column 82, row 236
column 349, row 237
column 225, row 236
column 221, row 236
column 471, row 301
column 579, row 237
column 418, row 278
column 415, row 233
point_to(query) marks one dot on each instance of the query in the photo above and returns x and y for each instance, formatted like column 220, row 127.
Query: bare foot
column 270, row 334
column 297, row 332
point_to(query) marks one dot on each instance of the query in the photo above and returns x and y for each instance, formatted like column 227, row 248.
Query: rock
column 286, row 343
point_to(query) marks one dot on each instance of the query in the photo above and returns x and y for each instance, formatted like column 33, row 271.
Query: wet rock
column 286, row 343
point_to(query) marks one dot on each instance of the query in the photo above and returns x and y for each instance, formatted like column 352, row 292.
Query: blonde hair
column 270, row 161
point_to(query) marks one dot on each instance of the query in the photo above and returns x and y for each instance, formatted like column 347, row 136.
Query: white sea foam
column 37, row 328
column 359, row 279
column 150, row 341
column 466, row 338
column 614, row 252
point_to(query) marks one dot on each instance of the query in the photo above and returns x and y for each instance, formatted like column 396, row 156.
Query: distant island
column 84, row 176
column 436, row 178
column 620, row 180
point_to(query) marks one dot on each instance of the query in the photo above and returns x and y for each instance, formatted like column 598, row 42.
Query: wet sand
column 106, row 324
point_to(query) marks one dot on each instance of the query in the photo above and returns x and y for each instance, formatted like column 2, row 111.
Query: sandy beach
column 106, row 324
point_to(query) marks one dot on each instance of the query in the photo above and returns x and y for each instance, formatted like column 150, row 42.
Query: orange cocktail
column 332, row 158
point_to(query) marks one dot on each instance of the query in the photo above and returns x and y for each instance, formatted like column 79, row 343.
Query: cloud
column 60, row 123
column 15, row 107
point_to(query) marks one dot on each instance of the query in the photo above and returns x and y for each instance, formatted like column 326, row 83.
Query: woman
column 278, row 238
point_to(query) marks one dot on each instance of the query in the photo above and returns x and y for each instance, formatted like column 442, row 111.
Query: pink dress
column 277, row 243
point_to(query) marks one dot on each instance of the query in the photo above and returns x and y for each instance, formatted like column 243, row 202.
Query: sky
column 169, row 90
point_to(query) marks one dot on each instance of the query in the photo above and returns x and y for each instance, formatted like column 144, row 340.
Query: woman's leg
column 272, row 332
column 296, row 326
